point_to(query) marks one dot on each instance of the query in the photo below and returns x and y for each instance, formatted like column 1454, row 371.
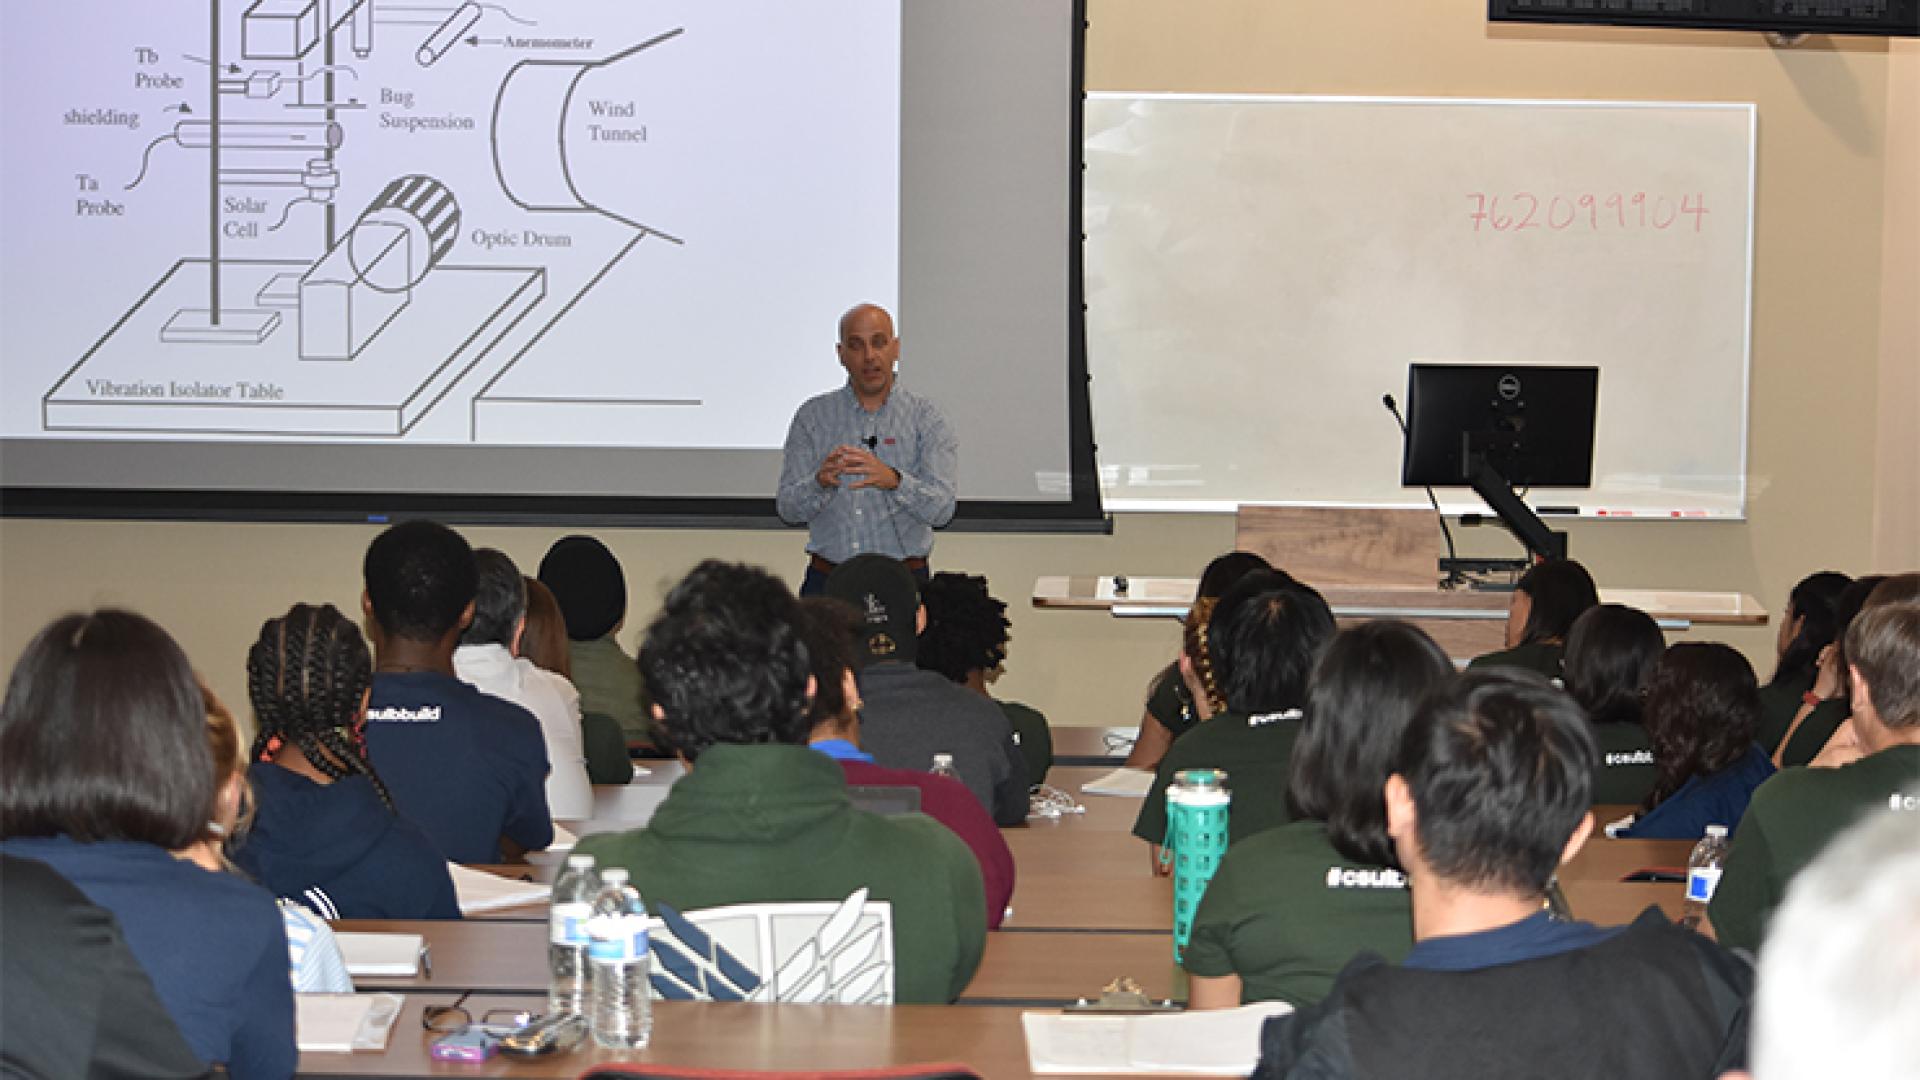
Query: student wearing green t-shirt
column 1611, row 652
column 1808, row 626
column 1291, row 906
column 1257, row 651
column 1794, row 815
column 1546, row 600
column 1172, row 710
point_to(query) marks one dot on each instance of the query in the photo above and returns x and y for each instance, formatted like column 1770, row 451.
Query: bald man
column 870, row 467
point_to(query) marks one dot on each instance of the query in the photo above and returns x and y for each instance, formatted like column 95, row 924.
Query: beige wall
column 1824, row 171
column 1896, row 531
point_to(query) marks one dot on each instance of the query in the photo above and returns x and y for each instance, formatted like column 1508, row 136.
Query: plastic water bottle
column 573, row 896
column 943, row 766
column 1703, row 874
column 621, row 1013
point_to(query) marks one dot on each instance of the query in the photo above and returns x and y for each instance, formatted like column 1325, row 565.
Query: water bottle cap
column 614, row 875
column 579, row 862
column 1201, row 779
column 1716, row 831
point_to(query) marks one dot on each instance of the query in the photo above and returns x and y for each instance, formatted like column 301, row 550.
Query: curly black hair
column 966, row 627
column 1703, row 704
column 725, row 663
column 306, row 676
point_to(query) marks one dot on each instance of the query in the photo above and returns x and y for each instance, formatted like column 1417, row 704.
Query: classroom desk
column 1107, row 746
column 989, row 1040
column 1057, row 968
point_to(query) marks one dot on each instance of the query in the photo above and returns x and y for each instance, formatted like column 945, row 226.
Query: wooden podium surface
column 1376, row 564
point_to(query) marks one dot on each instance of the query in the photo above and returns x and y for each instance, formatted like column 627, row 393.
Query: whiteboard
column 1261, row 269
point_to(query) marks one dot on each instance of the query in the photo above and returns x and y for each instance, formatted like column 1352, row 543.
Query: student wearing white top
column 487, row 660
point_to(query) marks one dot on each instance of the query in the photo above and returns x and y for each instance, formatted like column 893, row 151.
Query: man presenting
column 869, row 468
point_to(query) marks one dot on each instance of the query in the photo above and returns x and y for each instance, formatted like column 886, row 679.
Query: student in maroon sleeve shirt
column 830, row 629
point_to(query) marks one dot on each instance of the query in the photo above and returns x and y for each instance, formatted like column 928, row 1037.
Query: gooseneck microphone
column 1453, row 576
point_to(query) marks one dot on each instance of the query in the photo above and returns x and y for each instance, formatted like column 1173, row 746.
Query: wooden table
column 1107, row 746
column 990, row 1040
column 1032, row 968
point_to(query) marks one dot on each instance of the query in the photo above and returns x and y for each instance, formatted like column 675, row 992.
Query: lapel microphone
column 871, row 442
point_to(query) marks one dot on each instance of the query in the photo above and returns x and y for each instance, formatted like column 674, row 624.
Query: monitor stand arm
column 1541, row 542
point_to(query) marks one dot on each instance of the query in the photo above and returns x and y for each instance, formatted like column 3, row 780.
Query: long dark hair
column 1365, row 688
column 1611, row 651
column 1703, row 704
column 103, row 735
column 1561, row 591
column 306, row 675
column 1813, row 602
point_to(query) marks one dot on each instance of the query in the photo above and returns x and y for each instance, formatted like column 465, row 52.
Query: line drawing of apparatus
column 387, row 325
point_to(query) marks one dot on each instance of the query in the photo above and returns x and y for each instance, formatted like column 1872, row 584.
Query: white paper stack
column 392, row 955
column 1212, row 1042
column 481, row 891
column 342, row 1023
column 1129, row 783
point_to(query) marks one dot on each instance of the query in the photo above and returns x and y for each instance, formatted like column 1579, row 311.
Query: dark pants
column 815, row 583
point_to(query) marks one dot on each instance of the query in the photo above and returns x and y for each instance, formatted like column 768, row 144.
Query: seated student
column 467, row 767
column 1843, row 746
column 759, row 817
column 544, row 644
column 1489, row 795
column 592, row 590
column 1290, row 906
column 908, row 714
column 1807, row 627
column 314, row 963
column 1702, row 707
column 1611, row 651
column 834, row 632
column 966, row 640
column 488, row 659
column 324, row 830
column 1263, row 639
column 1824, row 708
column 1794, row 815
column 1840, row 979
column 73, row 1000
column 1171, row 710
column 108, row 772
column 1546, row 601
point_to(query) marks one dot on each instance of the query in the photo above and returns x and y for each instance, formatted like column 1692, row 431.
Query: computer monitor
column 1493, row 427
column 1532, row 425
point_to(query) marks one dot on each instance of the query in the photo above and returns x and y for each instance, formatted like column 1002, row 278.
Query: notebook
column 395, row 955
column 480, row 891
column 1129, row 783
column 1211, row 1042
column 342, row 1023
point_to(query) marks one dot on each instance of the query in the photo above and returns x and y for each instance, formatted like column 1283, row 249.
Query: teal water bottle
column 1197, row 805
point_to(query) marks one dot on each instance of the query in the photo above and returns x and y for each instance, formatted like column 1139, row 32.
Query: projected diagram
column 373, row 329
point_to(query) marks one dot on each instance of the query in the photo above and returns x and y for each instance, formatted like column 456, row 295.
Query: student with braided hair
column 325, row 832
column 1263, row 639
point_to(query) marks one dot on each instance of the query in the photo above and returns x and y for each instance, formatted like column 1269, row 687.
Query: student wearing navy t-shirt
column 324, row 828
column 108, row 773
column 1488, row 796
column 470, row 769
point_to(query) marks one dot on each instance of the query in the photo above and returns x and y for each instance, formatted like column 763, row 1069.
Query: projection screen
column 349, row 258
